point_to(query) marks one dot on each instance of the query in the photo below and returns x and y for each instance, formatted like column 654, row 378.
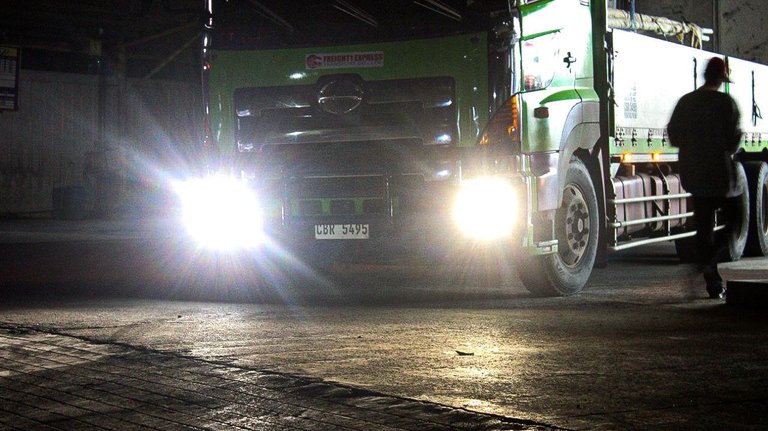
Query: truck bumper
column 407, row 223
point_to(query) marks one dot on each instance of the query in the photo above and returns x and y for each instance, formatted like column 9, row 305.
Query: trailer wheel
column 566, row 272
column 757, row 237
column 737, row 239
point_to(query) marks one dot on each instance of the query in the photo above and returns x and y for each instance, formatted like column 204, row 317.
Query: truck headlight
column 485, row 208
column 220, row 212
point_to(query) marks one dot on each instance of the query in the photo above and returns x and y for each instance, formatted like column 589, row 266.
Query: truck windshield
column 264, row 24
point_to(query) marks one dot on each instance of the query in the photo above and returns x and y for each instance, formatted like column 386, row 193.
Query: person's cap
column 717, row 69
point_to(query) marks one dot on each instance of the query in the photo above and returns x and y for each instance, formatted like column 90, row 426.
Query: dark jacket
column 705, row 127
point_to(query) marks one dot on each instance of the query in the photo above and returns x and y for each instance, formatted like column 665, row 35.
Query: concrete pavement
column 53, row 381
column 61, row 380
column 50, row 381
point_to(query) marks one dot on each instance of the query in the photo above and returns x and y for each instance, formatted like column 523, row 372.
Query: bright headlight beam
column 485, row 208
column 220, row 213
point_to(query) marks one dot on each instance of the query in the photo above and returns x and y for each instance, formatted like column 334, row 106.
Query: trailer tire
column 737, row 235
column 566, row 272
column 757, row 180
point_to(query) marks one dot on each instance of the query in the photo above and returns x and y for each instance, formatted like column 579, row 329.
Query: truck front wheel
column 576, row 227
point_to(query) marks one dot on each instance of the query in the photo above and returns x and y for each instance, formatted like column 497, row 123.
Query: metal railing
column 665, row 217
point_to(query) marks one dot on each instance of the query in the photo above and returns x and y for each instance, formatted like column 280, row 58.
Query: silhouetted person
column 705, row 127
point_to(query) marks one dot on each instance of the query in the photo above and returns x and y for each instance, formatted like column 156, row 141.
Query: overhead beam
column 172, row 57
column 441, row 8
column 356, row 12
column 267, row 13
column 161, row 34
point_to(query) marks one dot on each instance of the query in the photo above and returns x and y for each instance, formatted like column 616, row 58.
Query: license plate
column 342, row 231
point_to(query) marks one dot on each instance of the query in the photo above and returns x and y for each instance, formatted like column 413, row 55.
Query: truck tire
column 737, row 236
column 566, row 272
column 757, row 236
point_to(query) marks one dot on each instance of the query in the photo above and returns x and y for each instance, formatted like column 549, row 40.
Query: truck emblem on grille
column 340, row 97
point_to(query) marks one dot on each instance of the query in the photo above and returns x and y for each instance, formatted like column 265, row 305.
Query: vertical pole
column 102, row 190
column 716, row 24
column 122, row 93
column 600, row 67
column 101, row 71
column 121, row 125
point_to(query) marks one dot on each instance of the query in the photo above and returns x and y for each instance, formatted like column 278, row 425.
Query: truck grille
column 349, row 147
column 337, row 187
column 358, row 195
column 403, row 109
column 372, row 195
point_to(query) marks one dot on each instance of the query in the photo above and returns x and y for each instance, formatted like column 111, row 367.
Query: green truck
column 532, row 132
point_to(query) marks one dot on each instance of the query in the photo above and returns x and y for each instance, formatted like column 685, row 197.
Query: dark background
column 85, row 35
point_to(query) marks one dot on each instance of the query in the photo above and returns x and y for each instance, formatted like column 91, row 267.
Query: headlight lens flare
column 220, row 212
column 485, row 208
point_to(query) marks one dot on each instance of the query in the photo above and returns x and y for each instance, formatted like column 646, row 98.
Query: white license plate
column 342, row 231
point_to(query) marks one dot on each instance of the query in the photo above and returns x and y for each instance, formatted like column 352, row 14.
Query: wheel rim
column 576, row 224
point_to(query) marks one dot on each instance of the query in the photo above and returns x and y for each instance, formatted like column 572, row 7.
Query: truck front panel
column 359, row 149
